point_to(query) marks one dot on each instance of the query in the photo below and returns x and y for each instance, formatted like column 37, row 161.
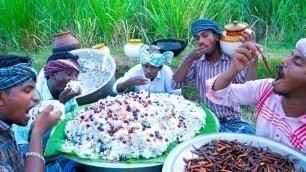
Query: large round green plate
column 58, row 136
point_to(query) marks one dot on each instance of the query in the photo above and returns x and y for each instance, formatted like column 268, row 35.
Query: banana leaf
column 58, row 137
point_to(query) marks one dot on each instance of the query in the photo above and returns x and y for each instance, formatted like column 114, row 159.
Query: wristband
column 36, row 155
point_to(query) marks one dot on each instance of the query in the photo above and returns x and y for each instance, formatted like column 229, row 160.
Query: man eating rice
column 151, row 74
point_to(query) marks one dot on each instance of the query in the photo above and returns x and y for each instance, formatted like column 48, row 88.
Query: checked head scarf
column 16, row 75
column 155, row 59
column 60, row 65
column 204, row 24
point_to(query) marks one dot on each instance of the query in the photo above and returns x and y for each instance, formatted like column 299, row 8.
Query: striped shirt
column 201, row 70
column 10, row 157
column 271, row 120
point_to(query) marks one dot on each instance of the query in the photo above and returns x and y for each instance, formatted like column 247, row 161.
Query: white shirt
column 161, row 83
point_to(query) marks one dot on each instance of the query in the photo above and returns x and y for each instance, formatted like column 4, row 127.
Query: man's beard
column 281, row 93
column 211, row 52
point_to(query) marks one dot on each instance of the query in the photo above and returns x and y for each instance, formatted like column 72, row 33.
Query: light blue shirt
column 22, row 133
column 161, row 83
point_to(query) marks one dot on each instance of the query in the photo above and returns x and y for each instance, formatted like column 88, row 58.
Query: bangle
column 36, row 155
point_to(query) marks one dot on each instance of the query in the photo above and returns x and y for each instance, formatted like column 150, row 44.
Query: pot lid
column 236, row 26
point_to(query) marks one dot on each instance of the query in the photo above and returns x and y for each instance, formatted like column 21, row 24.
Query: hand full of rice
column 75, row 86
column 57, row 106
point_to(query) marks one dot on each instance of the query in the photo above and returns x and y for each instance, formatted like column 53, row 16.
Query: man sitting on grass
column 151, row 75
column 281, row 113
column 206, row 61
column 17, row 97
column 61, row 68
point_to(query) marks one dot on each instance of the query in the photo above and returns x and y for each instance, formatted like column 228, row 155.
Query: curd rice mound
column 133, row 125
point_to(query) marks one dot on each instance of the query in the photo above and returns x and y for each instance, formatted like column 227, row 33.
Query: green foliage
column 29, row 25
column 278, row 21
column 274, row 55
column 113, row 18
column 263, row 71
column 166, row 20
column 17, row 29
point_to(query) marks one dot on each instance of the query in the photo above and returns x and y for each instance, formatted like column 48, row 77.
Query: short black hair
column 11, row 60
column 62, row 55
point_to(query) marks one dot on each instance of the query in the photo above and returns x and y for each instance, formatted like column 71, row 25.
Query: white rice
column 133, row 125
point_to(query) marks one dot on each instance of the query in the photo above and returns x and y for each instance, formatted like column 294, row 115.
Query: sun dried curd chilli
column 133, row 125
column 231, row 155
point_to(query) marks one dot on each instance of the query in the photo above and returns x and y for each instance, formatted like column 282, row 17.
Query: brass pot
column 102, row 48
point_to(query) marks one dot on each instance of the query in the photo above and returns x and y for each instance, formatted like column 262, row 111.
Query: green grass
column 29, row 25
column 248, row 113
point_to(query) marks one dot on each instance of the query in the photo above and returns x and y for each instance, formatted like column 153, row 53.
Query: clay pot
column 230, row 38
column 131, row 49
column 102, row 48
column 65, row 42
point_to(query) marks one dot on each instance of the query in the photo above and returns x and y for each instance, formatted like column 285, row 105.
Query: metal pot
column 97, row 75
column 174, row 45
column 95, row 65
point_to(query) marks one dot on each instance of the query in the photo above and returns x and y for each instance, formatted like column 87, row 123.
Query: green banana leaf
column 58, row 137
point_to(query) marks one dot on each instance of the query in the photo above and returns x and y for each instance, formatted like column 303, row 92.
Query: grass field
column 29, row 25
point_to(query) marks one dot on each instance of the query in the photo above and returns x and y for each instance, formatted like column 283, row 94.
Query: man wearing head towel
column 17, row 97
column 206, row 61
column 61, row 67
column 281, row 102
column 151, row 75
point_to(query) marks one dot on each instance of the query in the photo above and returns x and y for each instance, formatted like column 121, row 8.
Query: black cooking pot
column 174, row 45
